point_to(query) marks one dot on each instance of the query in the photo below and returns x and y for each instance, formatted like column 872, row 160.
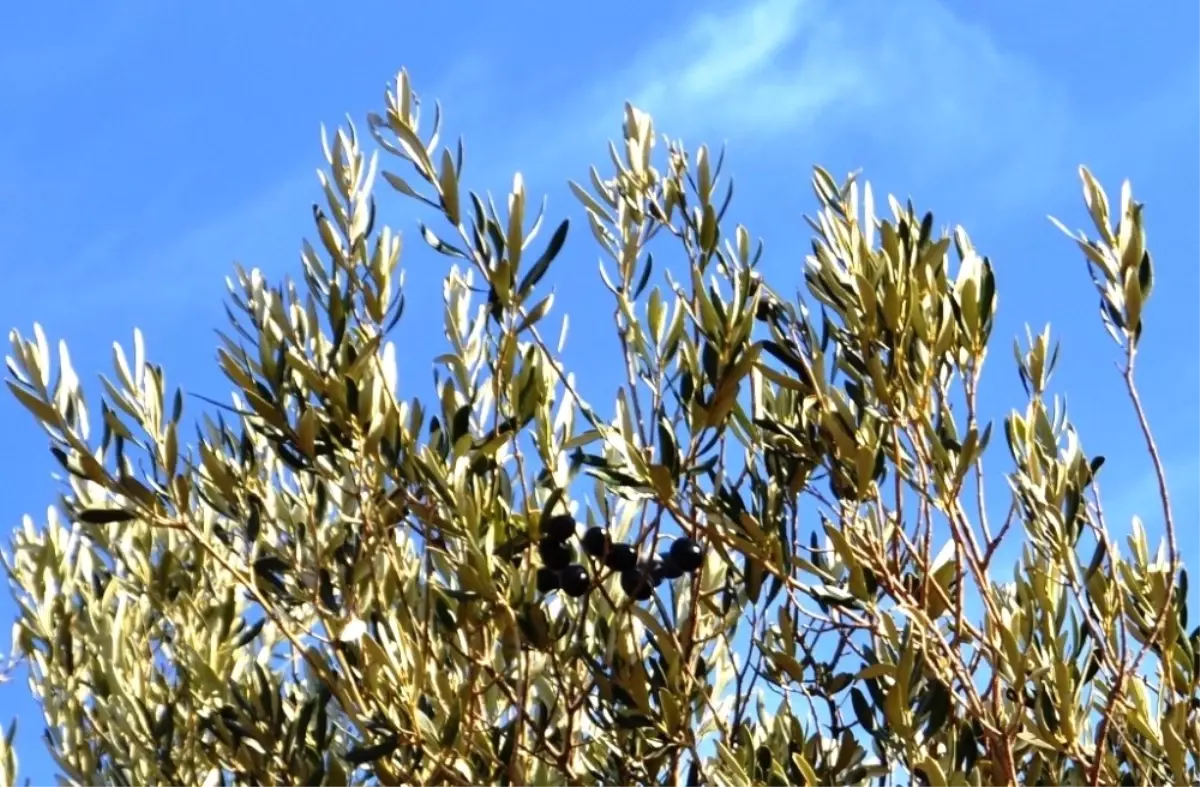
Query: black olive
column 671, row 569
column 558, row 528
column 596, row 542
column 621, row 557
column 636, row 584
column 764, row 758
column 575, row 580
column 547, row 580
column 556, row 554
column 687, row 554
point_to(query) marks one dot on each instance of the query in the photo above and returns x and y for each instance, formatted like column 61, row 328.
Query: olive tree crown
column 771, row 562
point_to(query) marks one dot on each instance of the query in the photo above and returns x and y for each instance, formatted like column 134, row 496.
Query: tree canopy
column 770, row 561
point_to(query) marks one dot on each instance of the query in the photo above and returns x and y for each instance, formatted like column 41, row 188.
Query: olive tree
column 771, row 561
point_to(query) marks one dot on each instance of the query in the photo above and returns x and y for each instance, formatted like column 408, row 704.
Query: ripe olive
column 636, row 584
column 621, row 557
column 575, row 580
column 687, row 554
column 556, row 554
column 558, row 528
column 547, row 580
column 596, row 542
column 671, row 569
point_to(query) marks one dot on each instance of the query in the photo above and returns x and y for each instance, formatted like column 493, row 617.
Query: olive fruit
column 558, row 528
column 763, row 757
column 596, row 542
column 768, row 309
column 636, row 584
column 687, row 554
column 547, row 580
column 621, row 557
column 556, row 554
column 575, row 580
column 670, row 569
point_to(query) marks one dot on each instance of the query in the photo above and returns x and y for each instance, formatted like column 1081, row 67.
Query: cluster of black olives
column 639, row 577
column 559, row 569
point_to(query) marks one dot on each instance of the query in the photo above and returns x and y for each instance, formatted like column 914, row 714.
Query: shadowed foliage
column 770, row 562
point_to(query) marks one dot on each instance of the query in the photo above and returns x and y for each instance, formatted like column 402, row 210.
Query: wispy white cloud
column 913, row 78
column 726, row 67
column 745, row 71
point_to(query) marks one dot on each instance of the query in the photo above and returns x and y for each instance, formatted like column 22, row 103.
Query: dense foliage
column 771, row 562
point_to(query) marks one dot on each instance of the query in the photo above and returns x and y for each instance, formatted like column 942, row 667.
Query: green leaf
column 667, row 450
column 460, row 424
column 939, row 709
column 439, row 245
column 1097, row 559
column 42, row 411
column 536, row 313
column 862, row 709
column 400, row 184
column 248, row 634
column 363, row 754
column 105, row 516
column 933, row 772
column 877, row 671
column 709, row 231
column 542, row 263
column 810, row 776
column 450, row 730
column 448, row 186
column 789, row 360
column 645, row 278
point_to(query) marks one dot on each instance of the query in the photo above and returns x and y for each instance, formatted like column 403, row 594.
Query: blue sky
column 149, row 145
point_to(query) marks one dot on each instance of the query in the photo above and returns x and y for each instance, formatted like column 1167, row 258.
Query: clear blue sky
column 147, row 145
